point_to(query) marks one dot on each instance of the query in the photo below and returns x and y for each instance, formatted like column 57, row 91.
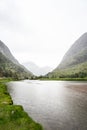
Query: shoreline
column 63, row 79
column 13, row 117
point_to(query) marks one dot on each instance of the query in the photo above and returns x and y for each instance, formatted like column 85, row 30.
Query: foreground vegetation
column 13, row 117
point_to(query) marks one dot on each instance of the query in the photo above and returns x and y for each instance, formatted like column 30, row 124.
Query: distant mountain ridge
column 74, row 62
column 9, row 66
column 36, row 70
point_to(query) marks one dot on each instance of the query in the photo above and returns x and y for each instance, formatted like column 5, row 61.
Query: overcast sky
column 41, row 30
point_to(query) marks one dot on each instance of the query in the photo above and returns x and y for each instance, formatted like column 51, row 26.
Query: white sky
column 41, row 30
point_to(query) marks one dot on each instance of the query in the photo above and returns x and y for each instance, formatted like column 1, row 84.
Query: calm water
column 52, row 103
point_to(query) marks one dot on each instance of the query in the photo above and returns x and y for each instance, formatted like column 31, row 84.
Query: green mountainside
column 9, row 66
column 74, row 62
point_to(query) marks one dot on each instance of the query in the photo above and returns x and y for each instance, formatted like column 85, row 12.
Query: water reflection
column 52, row 103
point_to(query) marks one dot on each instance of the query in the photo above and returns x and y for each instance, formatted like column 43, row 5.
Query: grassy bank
column 64, row 79
column 13, row 117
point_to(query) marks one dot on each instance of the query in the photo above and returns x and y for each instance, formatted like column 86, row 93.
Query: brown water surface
column 57, row 105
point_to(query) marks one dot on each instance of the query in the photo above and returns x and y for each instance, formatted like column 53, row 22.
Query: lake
column 57, row 105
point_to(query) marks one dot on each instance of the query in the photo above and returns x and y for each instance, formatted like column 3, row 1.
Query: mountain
column 74, row 62
column 9, row 66
column 6, row 52
column 36, row 70
column 76, row 54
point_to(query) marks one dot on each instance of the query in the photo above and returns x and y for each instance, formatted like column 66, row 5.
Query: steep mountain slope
column 36, row 70
column 9, row 66
column 76, row 54
column 74, row 63
column 6, row 52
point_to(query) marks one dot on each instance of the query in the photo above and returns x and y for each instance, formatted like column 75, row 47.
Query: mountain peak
column 83, row 38
column 84, row 34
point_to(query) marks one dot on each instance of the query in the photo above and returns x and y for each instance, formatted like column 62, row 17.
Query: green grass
column 13, row 117
column 64, row 79
column 61, row 79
